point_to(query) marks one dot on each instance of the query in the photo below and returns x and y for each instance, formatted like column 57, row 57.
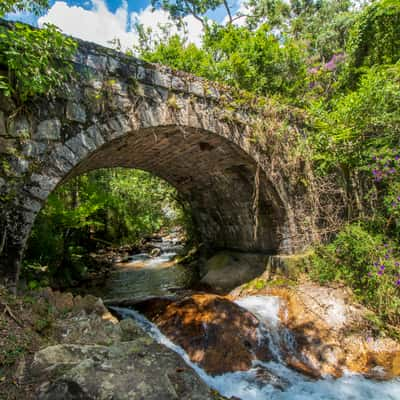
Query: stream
column 145, row 277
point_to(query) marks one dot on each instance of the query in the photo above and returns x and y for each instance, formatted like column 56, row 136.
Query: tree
column 197, row 8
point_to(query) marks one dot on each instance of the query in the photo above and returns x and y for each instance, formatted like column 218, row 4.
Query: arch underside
column 213, row 174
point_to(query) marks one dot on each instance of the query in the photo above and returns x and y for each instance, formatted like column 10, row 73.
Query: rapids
column 285, row 383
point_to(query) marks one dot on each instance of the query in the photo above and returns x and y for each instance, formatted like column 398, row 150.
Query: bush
column 367, row 263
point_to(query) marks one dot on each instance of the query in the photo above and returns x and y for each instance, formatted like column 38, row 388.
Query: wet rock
column 266, row 377
column 155, row 252
column 332, row 333
column 217, row 334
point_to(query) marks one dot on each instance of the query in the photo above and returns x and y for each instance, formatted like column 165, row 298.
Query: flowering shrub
column 366, row 263
column 386, row 175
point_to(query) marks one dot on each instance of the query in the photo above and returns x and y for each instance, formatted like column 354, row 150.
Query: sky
column 102, row 21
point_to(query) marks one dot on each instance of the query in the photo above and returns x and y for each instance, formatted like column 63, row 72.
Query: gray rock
column 48, row 130
column 75, row 112
column 138, row 369
column 177, row 83
column 31, row 148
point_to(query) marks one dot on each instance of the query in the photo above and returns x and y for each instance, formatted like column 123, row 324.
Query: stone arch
column 123, row 112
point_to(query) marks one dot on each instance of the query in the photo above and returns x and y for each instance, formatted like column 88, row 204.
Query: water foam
column 295, row 386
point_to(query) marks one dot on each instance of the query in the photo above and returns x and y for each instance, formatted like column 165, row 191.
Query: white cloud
column 241, row 9
column 154, row 21
column 98, row 24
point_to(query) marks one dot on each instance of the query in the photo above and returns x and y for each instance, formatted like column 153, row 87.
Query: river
column 144, row 277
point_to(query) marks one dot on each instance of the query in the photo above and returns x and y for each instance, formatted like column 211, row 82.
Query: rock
column 48, row 130
column 130, row 330
column 75, row 112
column 138, row 369
column 88, row 329
column 266, row 377
column 90, row 304
column 155, row 252
column 227, row 270
column 217, row 334
column 331, row 333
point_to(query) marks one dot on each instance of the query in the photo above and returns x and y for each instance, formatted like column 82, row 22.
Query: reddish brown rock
column 217, row 334
column 332, row 332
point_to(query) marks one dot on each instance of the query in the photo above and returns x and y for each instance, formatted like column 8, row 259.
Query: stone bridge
column 119, row 111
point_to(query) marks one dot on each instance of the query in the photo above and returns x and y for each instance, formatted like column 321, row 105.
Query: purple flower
column 376, row 263
column 396, row 264
column 398, row 282
column 380, row 273
column 382, row 267
column 398, row 198
column 313, row 70
column 394, row 204
column 392, row 171
column 397, row 157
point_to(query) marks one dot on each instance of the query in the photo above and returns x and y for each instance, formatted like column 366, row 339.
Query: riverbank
column 270, row 336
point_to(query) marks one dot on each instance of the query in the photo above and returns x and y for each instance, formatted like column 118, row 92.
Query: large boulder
column 216, row 333
column 138, row 369
column 227, row 270
column 98, row 357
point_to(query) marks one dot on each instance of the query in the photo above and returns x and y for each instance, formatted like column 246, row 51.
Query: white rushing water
column 282, row 383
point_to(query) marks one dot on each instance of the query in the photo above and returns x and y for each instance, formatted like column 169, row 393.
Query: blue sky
column 104, row 20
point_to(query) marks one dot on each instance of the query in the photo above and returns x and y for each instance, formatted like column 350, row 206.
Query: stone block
column 145, row 75
column 75, row 112
column 42, row 185
column 19, row 165
column 112, row 65
column 99, row 63
column 62, row 159
column 30, row 148
column 49, row 129
column 197, row 88
column 94, row 134
column 19, row 127
column 77, row 146
column 162, row 79
column 177, row 84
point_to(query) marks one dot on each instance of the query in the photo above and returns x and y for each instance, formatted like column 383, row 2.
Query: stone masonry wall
column 120, row 111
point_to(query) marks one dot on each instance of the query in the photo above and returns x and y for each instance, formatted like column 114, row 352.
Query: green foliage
column 35, row 61
column 360, row 124
column 34, row 6
column 176, row 54
column 355, row 258
column 117, row 206
column 375, row 38
column 251, row 60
